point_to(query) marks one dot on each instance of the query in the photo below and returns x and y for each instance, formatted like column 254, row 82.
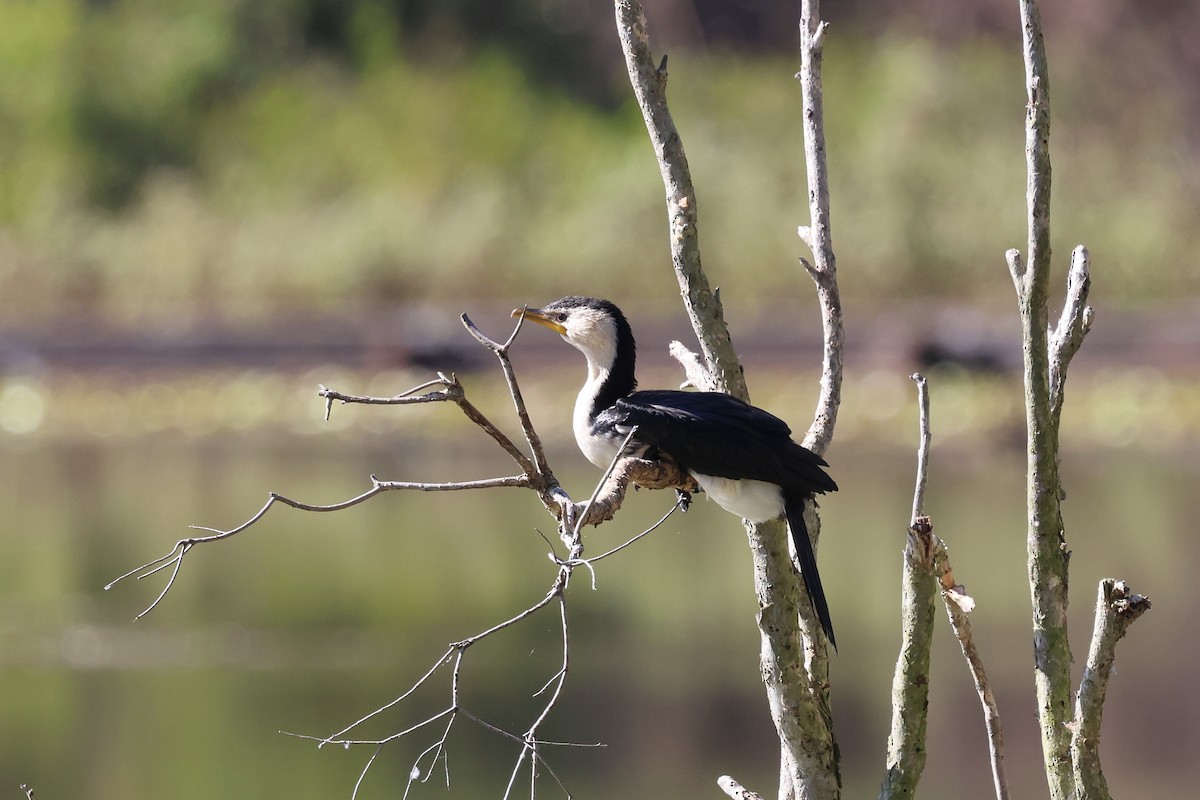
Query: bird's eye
column 560, row 317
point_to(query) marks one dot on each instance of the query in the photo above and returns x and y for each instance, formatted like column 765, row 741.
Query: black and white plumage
column 741, row 456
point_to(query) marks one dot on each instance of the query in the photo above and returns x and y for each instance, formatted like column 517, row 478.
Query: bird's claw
column 567, row 509
column 684, row 499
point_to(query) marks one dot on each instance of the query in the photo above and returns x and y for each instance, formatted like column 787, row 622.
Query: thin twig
column 420, row 682
column 508, row 623
column 452, row 391
column 561, row 674
column 918, row 509
column 958, row 606
column 542, row 466
column 438, row 749
column 575, row 541
column 516, row 770
column 321, row 740
column 408, row 397
column 366, row 767
column 589, row 561
column 530, row 739
column 174, row 558
column 659, row 474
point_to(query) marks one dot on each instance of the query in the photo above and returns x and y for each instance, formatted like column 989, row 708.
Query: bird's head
column 595, row 327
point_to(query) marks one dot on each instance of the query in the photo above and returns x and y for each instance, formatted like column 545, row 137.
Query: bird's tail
column 807, row 559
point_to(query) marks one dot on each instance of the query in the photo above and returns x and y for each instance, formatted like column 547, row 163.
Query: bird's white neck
column 607, row 382
column 597, row 449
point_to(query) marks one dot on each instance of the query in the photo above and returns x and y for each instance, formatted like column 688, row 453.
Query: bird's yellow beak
column 536, row 315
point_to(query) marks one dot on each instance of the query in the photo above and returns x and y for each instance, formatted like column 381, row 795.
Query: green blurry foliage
column 171, row 160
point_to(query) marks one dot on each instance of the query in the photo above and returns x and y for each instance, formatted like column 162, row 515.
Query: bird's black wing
column 717, row 434
column 720, row 435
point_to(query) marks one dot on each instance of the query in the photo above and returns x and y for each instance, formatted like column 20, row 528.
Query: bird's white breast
column 757, row 501
column 600, row 450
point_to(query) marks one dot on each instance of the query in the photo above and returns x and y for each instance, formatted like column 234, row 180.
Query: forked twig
column 534, row 441
column 1117, row 607
column 174, row 558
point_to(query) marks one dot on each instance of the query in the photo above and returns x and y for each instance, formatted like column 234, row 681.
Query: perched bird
column 741, row 456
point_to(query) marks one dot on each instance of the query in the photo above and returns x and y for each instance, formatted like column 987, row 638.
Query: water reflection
column 308, row 621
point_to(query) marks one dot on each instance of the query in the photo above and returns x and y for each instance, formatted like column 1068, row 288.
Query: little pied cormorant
column 741, row 456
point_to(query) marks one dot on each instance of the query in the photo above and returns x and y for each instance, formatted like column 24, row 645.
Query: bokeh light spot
column 22, row 408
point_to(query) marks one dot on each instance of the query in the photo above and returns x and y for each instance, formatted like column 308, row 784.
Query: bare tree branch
column 910, row 682
column 451, row 391
column 794, row 655
column 1068, row 739
column 438, row 749
column 531, row 744
column 813, row 761
column 174, row 558
column 1048, row 554
column 703, row 305
column 1117, row 607
column 818, row 233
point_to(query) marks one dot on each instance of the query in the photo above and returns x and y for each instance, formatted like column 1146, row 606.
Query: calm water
column 308, row 621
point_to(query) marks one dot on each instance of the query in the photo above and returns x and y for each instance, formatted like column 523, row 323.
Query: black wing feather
column 717, row 434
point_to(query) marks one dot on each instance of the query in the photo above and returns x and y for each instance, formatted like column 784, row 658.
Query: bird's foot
column 684, row 499
column 568, row 509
